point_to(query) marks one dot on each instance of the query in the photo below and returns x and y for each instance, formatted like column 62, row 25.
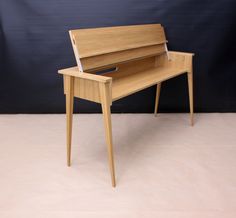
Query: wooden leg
column 158, row 92
column 190, row 92
column 104, row 93
column 69, row 115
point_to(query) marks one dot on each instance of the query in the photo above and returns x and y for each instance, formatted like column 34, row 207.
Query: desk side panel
column 84, row 88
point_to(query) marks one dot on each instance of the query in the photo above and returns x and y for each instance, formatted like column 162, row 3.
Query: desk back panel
column 97, row 48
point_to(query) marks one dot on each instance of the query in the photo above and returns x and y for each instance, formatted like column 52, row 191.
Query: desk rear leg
column 106, row 102
column 69, row 115
column 158, row 92
column 190, row 92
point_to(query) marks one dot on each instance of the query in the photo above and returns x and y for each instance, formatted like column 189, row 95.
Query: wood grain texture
column 125, row 69
column 135, row 82
column 69, row 114
column 74, row 71
column 140, row 59
column 184, row 61
column 105, row 96
column 190, row 92
column 134, row 76
column 158, row 92
column 177, row 60
column 112, row 59
column 84, row 88
column 98, row 41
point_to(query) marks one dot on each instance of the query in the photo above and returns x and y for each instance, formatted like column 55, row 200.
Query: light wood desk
column 130, row 59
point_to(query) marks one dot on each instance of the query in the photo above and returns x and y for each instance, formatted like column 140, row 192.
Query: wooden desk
column 130, row 58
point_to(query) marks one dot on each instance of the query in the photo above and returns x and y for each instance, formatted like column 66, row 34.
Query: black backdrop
column 35, row 44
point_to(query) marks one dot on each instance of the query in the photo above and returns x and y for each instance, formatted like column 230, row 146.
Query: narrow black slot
column 109, row 70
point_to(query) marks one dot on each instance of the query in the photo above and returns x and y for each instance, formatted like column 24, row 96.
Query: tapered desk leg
column 69, row 115
column 105, row 101
column 190, row 92
column 158, row 92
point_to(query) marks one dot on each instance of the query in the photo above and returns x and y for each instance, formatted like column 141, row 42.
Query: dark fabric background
column 35, row 44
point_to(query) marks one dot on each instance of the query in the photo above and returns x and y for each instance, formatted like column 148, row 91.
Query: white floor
column 164, row 167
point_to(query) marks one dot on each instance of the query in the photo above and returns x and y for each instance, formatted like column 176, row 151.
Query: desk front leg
column 105, row 95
